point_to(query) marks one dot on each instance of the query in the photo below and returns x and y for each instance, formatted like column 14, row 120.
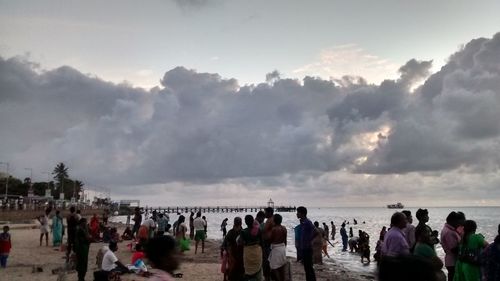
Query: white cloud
column 349, row 60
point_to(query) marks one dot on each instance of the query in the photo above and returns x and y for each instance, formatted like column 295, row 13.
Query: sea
column 369, row 219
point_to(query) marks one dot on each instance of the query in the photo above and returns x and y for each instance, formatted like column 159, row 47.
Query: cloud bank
column 303, row 139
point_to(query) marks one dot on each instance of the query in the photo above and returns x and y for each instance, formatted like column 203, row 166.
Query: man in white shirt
column 110, row 262
column 199, row 228
column 151, row 225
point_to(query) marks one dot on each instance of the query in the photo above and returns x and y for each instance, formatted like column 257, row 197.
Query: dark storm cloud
column 203, row 129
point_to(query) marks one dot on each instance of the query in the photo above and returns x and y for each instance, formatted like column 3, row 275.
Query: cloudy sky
column 325, row 103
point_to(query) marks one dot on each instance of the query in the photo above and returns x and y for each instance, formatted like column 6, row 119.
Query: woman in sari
column 57, row 229
column 466, row 270
column 94, row 228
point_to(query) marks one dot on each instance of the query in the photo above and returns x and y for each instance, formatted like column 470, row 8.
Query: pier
column 212, row 209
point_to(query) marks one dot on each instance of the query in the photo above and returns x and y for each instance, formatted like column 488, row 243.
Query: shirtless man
column 277, row 257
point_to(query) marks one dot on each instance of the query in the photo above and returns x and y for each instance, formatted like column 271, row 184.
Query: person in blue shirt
column 307, row 233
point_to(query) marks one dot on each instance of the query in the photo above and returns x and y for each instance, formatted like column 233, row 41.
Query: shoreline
column 27, row 255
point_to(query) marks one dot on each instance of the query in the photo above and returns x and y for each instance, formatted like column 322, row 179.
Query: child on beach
column 5, row 245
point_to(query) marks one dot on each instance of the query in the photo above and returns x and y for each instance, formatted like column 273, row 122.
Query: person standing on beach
column 251, row 239
column 306, row 238
column 71, row 222
column 409, row 230
column 450, row 240
column 423, row 217
column 277, row 256
column 137, row 220
column 266, row 243
column 162, row 225
column 57, row 229
column 82, row 245
column 334, row 230
column 191, row 226
column 44, row 227
column 470, row 247
column 394, row 241
column 223, row 228
column 491, row 260
column 199, row 228
column 5, row 246
column 297, row 231
column 317, row 244
column 235, row 268
column 345, row 238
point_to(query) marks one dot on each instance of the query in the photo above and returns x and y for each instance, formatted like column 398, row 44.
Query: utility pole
column 7, row 180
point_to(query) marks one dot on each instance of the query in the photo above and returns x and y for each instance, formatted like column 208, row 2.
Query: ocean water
column 487, row 219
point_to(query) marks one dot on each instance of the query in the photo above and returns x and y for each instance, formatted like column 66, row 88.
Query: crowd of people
column 255, row 247
column 408, row 252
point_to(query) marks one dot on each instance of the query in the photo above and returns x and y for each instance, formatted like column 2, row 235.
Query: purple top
column 395, row 243
column 449, row 240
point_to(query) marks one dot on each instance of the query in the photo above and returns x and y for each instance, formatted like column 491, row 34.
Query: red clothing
column 5, row 243
column 136, row 256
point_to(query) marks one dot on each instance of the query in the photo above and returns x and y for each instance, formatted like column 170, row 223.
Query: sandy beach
column 27, row 255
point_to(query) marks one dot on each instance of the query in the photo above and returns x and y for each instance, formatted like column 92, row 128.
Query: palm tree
column 60, row 174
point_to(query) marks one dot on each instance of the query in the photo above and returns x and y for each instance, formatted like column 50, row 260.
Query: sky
column 319, row 103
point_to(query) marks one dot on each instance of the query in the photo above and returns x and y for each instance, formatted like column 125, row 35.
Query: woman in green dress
column 57, row 229
column 82, row 244
column 472, row 243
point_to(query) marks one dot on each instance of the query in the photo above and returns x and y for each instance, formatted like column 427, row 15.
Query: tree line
column 61, row 181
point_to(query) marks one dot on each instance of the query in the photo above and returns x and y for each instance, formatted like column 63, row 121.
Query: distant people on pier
column 199, row 225
column 223, row 227
column 307, row 233
column 409, row 230
column 345, row 238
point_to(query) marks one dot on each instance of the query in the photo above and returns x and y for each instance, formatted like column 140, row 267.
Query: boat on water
column 396, row 206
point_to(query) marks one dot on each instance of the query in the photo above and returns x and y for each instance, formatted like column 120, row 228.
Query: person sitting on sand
column 161, row 252
column 251, row 239
column 110, row 263
column 114, row 235
column 277, row 256
column 127, row 234
column 138, row 254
